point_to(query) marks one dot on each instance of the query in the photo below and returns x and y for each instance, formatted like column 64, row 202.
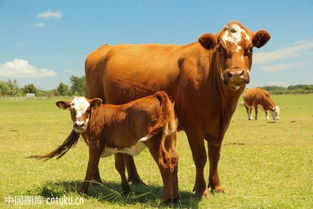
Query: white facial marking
column 80, row 104
column 233, row 34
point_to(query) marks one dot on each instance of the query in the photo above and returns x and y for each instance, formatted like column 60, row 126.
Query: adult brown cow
column 204, row 79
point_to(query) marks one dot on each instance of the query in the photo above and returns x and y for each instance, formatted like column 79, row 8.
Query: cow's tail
column 166, row 126
column 69, row 142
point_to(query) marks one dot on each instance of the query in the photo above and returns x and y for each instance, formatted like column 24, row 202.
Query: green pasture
column 262, row 165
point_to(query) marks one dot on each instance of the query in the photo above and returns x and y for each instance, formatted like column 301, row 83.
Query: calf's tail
column 167, row 126
column 167, row 115
column 69, row 142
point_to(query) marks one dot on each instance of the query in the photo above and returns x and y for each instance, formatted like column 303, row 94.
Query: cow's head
column 80, row 108
column 275, row 112
column 233, row 52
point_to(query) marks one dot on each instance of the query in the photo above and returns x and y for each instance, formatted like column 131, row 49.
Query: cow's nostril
column 242, row 72
column 229, row 74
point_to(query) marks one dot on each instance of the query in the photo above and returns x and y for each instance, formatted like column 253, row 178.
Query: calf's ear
column 260, row 38
column 96, row 102
column 208, row 40
column 63, row 104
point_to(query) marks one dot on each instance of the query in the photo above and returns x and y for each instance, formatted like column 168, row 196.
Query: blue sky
column 44, row 42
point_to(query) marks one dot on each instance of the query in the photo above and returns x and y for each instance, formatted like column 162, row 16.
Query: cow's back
column 256, row 96
column 128, row 72
column 94, row 66
column 133, row 118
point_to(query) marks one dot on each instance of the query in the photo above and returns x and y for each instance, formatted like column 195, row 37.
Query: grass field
column 263, row 165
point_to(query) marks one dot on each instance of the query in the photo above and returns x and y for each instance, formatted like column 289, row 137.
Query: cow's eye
column 249, row 51
column 222, row 50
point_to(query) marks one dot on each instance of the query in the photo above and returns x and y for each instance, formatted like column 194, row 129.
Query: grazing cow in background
column 259, row 97
column 205, row 80
column 109, row 129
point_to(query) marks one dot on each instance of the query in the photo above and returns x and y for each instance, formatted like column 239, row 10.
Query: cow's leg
column 133, row 175
column 267, row 118
column 248, row 112
column 214, row 156
column 169, row 176
column 196, row 143
column 95, row 150
column 256, row 112
column 248, row 109
column 120, row 167
column 97, row 177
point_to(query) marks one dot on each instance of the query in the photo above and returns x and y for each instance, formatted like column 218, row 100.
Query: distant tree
column 78, row 85
column 63, row 89
column 273, row 88
column 30, row 88
column 9, row 88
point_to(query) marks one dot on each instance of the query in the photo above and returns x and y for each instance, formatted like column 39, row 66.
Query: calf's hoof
column 137, row 181
column 126, row 189
column 82, row 191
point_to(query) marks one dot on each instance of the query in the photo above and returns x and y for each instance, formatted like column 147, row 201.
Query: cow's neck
column 226, row 99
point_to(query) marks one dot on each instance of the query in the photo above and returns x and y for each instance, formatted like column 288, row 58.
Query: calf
column 128, row 128
column 259, row 97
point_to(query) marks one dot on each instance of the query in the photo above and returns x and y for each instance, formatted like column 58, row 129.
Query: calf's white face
column 80, row 108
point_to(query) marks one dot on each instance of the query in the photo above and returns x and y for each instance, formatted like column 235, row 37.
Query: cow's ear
column 63, row 104
column 208, row 40
column 260, row 38
column 96, row 102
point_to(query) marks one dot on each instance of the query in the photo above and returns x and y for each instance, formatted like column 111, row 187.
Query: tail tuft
column 69, row 142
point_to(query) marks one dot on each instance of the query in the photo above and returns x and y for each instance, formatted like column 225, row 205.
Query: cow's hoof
column 217, row 189
column 201, row 193
column 170, row 200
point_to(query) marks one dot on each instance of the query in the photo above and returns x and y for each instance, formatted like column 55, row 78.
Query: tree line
column 292, row 89
column 77, row 87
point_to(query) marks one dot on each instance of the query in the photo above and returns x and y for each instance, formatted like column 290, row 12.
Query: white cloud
column 38, row 24
column 20, row 68
column 288, row 52
column 279, row 67
column 50, row 15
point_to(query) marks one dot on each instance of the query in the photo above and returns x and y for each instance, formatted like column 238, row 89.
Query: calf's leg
column 97, row 177
column 169, row 176
column 120, row 167
column 133, row 175
column 95, row 150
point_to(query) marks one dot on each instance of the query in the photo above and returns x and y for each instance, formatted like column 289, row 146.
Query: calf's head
column 80, row 108
column 233, row 52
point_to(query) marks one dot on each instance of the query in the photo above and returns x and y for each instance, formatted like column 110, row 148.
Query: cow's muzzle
column 79, row 127
column 236, row 77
